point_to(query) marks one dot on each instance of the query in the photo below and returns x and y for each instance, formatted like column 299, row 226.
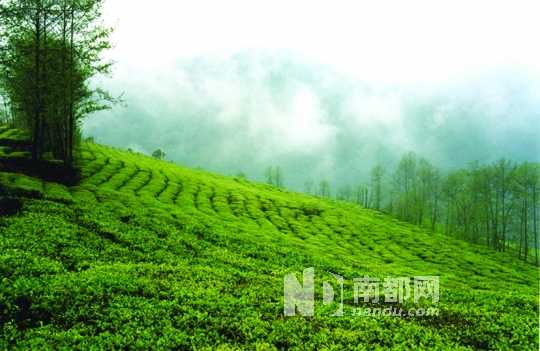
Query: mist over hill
column 253, row 109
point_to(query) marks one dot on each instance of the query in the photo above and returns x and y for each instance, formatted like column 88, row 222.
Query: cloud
column 253, row 109
column 413, row 41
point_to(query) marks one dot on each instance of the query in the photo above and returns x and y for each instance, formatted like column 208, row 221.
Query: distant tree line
column 496, row 204
column 49, row 52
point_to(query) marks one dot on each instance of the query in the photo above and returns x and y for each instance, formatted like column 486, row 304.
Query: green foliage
column 143, row 254
column 49, row 52
column 158, row 154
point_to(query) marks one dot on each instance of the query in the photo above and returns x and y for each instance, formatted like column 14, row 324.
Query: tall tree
column 404, row 188
column 324, row 189
column 50, row 51
column 377, row 174
column 274, row 176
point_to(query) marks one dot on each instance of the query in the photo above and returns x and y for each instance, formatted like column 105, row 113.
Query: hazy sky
column 413, row 41
column 324, row 88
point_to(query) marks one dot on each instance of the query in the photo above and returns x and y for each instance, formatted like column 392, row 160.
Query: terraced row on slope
column 369, row 236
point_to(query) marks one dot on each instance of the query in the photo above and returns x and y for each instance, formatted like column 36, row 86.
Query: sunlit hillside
column 145, row 254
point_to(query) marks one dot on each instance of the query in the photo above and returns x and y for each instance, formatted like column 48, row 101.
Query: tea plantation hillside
column 143, row 254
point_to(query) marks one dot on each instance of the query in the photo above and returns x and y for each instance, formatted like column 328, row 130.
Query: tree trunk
column 535, row 223
column 37, row 123
column 71, row 131
column 526, row 229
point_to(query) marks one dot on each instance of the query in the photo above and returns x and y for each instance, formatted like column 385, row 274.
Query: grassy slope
column 145, row 254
